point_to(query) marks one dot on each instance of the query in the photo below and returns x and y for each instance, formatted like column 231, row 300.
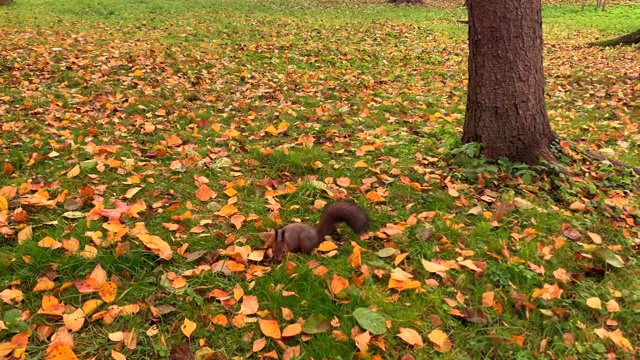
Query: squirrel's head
column 279, row 247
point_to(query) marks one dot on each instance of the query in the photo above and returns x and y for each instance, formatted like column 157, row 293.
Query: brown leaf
column 181, row 352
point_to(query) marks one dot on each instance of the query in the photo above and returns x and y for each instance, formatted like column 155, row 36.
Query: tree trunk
column 505, row 101
column 629, row 39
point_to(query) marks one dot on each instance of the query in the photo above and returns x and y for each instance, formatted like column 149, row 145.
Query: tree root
column 628, row 39
column 613, row 162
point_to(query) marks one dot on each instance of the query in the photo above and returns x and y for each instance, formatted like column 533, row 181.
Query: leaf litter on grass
column 140, row 171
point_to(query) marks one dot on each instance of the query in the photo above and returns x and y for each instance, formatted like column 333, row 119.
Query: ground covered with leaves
column 146, row 147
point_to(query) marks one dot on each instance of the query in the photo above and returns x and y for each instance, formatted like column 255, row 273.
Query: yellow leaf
column 594, row 303
column 360, row 164
column 89, row 252
column 433, row 267
column 271, row 130
column 91, row 305
column 131, row 192
column 440, row 339
column 117, row 355
column 137, row 73
column 597, row 239
column 326, row 246
column 4, row 203
column 188, row 327
column 74, row 172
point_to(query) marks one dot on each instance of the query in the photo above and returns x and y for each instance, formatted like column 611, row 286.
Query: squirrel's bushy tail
column 345, row 211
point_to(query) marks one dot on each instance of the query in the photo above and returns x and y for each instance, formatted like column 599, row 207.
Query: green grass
column 88, row 83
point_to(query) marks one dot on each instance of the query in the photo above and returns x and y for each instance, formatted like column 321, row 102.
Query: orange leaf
column 49, row 242
column 440, row 339
column 157, row 246
column 74, row 321
column 98, row 274
column 270, row 328
column 338, row 283
column 362, row 341
column 518, row 339
column 7, row 169
column 204, row 193
column 237, row 220
column 259, row 344
column 220, row 319
column 249, row 305
column 373, row 196
column 44, row 284
column 227, row 210
column 108, row 291
column 24, row 234
column 292, row 330
column 619, row 339
column 60, row 351
column 612, row 306
column 11, row 296
column 355, row 259
column 487, row 298
column 410, row 336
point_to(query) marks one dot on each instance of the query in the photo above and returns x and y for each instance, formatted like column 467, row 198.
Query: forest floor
column 147, row 146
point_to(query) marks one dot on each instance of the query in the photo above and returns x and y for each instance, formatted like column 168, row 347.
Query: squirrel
column 306, row 238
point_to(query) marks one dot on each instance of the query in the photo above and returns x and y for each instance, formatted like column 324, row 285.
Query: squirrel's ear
column 268, row 237
column 271, row 238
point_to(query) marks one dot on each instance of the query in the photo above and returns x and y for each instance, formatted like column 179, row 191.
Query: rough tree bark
column 629, row 39
column 505, row 102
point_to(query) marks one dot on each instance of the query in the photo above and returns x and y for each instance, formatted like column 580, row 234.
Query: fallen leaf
column 188, row 327
column 270, row 328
